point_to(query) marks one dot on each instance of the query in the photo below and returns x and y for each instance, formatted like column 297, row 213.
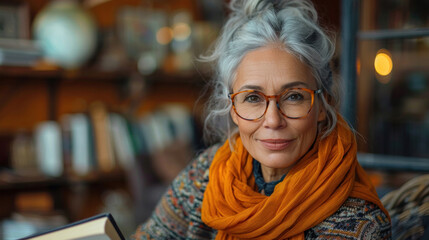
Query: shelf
column 393, row 34
column 66, row 75
column 190, row 78
column 393, row 163
column 116, row 175
column 90, row 74
column 15, row 182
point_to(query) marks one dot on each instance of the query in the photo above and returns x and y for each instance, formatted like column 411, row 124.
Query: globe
column 66, row 33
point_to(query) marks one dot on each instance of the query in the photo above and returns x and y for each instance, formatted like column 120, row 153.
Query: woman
column 287, row 167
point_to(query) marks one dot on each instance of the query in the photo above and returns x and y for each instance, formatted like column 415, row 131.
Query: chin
column 277, row 160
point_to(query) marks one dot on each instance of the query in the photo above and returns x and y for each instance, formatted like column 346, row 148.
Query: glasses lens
column 250, row 105
column 295, row 103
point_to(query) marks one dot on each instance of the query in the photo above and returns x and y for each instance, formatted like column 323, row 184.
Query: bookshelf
column 30, row 95
column 58, row 85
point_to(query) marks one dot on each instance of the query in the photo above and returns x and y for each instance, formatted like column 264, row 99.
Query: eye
column 253, row 98
column 293, row 96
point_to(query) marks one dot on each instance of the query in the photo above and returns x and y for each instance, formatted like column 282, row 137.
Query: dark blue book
column 101, row 226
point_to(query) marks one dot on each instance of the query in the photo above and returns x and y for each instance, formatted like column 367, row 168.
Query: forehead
column 270, row 69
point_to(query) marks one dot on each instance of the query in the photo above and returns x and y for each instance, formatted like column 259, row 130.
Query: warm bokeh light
column 383, row 63
column 358, row 67
column 181, row 31
column 164, row 35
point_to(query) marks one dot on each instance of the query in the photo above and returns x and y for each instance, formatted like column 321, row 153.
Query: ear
column 233, row 116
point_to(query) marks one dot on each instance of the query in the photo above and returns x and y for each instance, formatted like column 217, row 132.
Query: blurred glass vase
column 66, row 33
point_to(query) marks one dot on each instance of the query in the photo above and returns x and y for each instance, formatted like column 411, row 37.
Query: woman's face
column 275, row 141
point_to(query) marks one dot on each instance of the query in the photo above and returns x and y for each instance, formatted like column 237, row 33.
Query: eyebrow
column 284, row 87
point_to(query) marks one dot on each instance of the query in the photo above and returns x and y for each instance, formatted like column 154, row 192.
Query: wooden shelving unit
column 30, row 95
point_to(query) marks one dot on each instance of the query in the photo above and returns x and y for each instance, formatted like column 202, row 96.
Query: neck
column 273, row 174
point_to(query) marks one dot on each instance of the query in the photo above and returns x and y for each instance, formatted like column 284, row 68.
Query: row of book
column 19, row 52
column 99, row 140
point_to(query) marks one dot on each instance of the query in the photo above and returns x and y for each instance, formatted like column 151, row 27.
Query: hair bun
column 248, row 8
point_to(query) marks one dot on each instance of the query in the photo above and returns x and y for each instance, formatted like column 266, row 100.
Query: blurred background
column 101, row 101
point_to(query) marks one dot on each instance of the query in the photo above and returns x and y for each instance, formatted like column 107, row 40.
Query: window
column 392, row 83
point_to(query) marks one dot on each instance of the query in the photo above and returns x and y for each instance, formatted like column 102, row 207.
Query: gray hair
column 254, row 24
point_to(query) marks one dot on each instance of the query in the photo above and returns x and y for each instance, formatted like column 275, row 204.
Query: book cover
column 102, row 226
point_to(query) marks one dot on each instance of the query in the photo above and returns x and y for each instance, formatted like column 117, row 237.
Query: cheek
column 308, row 128
column 246, row 128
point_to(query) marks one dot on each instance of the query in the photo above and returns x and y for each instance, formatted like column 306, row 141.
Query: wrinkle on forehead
column 270, row 68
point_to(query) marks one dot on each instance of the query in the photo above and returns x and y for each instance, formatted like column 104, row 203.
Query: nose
column 273, row 117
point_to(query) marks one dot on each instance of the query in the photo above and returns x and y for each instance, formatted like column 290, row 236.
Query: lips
column 275, row 144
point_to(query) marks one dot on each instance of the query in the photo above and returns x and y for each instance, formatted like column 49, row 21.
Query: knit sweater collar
column 260, row 182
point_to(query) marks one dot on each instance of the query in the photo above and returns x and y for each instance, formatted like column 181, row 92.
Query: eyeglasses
column 292, row 103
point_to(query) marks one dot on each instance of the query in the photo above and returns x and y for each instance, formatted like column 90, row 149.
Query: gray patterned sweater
column 178, row 214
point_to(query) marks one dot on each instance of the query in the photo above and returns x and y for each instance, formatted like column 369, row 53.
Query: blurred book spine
column 23, row 158
column 122, row 142
column 81, row 157
column 102, row 137
column 49, row 148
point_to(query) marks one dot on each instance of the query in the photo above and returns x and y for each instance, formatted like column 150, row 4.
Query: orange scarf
column 314, row 189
